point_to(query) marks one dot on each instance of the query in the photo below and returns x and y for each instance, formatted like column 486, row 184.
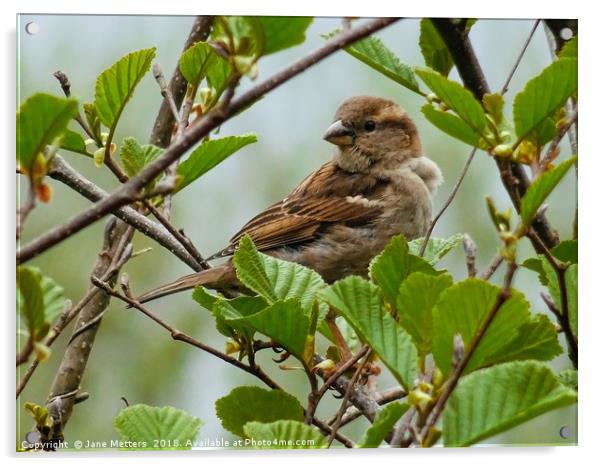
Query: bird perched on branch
column 377, row 185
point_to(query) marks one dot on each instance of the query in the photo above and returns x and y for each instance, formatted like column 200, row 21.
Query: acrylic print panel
column 144, row 143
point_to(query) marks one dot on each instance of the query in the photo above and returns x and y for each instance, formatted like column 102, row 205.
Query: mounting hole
column 32, row 28
column 565, row 432
column 566, row 33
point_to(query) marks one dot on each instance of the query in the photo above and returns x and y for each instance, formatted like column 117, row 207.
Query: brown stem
column 448, row 202
column 196, row 131
column 470, row 249
column 337, row 423
column 30, row 203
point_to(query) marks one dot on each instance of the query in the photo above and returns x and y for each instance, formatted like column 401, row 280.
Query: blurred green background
column 135, row 358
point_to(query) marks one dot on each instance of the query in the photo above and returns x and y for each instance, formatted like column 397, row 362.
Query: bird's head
column 370, row 131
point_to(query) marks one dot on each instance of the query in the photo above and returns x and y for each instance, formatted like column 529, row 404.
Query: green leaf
column 228, row 313
column 417, row 296
column 543, row 95
column 145, row 424
column 40, row 300
column 30, row 298
column 284, row 434
column 74, row 142
column 286, row 323
column 496, row 399
column 115, row 86
column 451, row 125
column 435, row 52
column 378, row 56
column 40, row 120
column 540, row 189
column 243, row 35
column 462, row 309
column 135, row 157
column 569, row 49
column 245, row 404
column 536, row 339
column 201, row 61
column 436, row 249
column 275, row 279
column 570, row 278
column 565, row 251
column 283, row 32
column 494, row 106
column 569, row 378
column 93, row 120
column 360, row 303
column 456, row 97
column 209, row 154
column 391, row 267
column 382, row 425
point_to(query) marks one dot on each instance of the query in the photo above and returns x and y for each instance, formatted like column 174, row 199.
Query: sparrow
column 377, row 185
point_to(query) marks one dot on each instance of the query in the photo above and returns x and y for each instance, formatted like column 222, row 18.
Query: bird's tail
column 216, row 277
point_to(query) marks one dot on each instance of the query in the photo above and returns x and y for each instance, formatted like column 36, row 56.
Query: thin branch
column 66, row 87
column 450, row 385
column 552, row 151
column 337, row 424
column 316, row 394
column 492, row 267
column 30, row 203
column 61, row 171
column 448, row 202
column 163, row 127
column 382, row 398
column 470, row 249
column 520, row 57
column 196, row 131
column 166, row 91
column 178, row 235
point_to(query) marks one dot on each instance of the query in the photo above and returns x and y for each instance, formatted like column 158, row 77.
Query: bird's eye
column 369, row 125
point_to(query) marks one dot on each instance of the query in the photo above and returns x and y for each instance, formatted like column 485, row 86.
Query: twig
column 513, row 175
column 61, row 171
column 343, row 407
column 382, row 398
column 66, row 87
column 162, row 129
column 470, row 249
column 166, row 91
column 450, row 385
column 23, row 355
column 492, row 267
column 180, row 336
column 448, row 202
column 197, row 130
column 520, row 57
column 179, row 235
column 553, row 147
column 316, row 394
column 30, row 203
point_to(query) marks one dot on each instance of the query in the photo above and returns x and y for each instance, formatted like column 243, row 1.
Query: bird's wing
column 299, row 217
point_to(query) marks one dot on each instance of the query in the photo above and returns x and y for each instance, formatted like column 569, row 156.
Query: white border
column 589, row 195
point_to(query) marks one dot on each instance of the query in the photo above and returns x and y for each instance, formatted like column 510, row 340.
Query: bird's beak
column 339, row 134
